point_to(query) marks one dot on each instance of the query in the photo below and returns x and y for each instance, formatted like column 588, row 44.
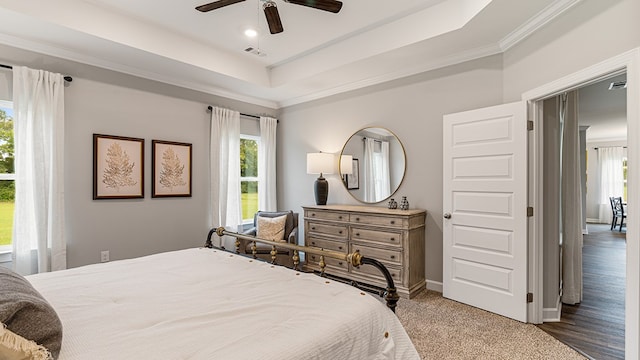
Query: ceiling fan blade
column 273, row 17
column 216, row 5
column 333, row 6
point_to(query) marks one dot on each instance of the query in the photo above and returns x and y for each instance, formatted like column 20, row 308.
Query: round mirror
column 372, row 164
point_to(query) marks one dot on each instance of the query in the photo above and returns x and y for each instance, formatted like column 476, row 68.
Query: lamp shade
column 346, row 166
column 320, row 163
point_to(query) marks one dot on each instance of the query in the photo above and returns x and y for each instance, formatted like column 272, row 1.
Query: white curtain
column 267, row 195
column 38, row 226
column 368, row 178
column 383, row 189
column 571, row 201
column 226, row 207
column 611, row 179
column 377, row 178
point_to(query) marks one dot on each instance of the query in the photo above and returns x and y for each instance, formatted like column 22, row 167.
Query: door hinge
column 529, row 297
column 529, row 211
column 529, row 125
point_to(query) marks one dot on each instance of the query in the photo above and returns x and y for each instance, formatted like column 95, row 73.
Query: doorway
column 627, row 62
column 594, row 323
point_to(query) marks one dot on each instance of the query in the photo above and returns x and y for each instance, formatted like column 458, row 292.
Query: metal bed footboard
column 389, row 294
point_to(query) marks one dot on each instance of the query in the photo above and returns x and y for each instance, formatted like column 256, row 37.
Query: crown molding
column 458, row 58
column 48, row 50
column 536, row 22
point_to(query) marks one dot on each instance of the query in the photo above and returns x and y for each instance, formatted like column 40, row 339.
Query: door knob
column 447, row 216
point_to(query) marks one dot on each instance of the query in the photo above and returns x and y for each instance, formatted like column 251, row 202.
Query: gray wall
column 412, row 108
column 100, row 101
column 590, row 32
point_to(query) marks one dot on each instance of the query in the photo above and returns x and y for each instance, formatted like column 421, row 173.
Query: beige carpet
column 445, row 329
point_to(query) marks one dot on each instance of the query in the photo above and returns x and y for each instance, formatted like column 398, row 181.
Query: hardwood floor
column 595, row 327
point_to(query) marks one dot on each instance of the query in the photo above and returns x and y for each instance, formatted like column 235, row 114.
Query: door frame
column 628, row 62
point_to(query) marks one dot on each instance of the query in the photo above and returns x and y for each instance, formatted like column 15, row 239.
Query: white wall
column 411, row 108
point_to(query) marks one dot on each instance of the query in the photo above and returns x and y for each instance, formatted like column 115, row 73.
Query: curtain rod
column 257, row 117
column 596, row 148
column 66, row 78
column 365, row 138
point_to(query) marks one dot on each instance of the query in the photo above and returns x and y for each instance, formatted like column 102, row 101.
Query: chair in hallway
column 618, row 212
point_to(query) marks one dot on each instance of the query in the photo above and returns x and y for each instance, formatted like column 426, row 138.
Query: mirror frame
column 404, row 170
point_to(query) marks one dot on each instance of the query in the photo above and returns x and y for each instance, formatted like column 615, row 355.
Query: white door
column 485, row 209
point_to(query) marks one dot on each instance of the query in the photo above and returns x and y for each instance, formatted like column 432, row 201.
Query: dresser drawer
column 375, row 220
column 384, row 237
column 336, row 230
column 326, row 244
column 393, row 256
column 373, row 272
column 326, row 215
column 314, row 261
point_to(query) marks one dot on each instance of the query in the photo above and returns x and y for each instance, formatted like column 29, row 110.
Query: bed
column 207, row 303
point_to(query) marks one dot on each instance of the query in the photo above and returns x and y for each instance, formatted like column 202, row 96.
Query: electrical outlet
column 104, row 256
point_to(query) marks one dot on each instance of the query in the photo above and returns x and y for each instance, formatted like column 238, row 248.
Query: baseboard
column 434, row 285
column 552, row 314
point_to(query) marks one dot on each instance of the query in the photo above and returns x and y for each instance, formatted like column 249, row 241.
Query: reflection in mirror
column 372, row 164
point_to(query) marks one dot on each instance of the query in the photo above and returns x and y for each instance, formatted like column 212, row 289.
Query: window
column 249, row 147
column 7, row 175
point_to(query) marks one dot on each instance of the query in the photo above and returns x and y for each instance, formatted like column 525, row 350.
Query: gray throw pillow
column 26, row 313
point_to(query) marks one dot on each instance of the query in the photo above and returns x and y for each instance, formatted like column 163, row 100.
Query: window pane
column 7, row 187
column 249, row 191
column 7, row 192
column 248, row 158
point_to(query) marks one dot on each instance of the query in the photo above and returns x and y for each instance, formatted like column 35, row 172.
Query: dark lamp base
column 321, row 190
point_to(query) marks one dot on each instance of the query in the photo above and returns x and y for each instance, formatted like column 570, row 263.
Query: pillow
column 26, row 313
column 15, row 347
column 271, row 228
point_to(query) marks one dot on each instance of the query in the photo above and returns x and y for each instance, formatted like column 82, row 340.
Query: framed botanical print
column 118, row 167
column 171, row 169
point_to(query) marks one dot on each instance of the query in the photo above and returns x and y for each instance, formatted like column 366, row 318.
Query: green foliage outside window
column 7, row 187
column 249, row 174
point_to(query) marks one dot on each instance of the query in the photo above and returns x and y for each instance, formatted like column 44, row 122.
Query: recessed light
column 250, row 33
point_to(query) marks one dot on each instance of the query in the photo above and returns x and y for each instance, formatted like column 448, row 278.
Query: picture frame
column 118, row 167
column 170, row 169
column 353, row 179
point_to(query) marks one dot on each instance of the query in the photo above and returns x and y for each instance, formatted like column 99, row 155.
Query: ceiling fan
column 271, row 10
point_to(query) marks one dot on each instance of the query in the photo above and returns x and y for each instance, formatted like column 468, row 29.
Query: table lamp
column 320, row 163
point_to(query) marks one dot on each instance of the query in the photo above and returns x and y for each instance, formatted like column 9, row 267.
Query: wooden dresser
column 394, row 237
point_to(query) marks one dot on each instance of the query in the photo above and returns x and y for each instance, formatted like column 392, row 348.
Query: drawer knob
column 393, row 239
column 340, row 232
column 393, row 275
column 340, row 263
column 340, row 217
column 313, row 214
column 339, row 247
column 393, row 256
column 357, row 219
column 393, row 222
column 313, row 228
column 313, row 243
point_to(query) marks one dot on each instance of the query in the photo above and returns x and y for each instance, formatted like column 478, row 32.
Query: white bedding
column 207, row 304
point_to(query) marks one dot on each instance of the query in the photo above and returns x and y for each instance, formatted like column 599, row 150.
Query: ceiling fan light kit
column 271, row 10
